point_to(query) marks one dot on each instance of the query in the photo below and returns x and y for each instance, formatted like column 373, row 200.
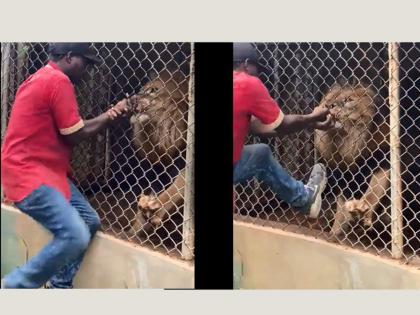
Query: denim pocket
column 32, row 199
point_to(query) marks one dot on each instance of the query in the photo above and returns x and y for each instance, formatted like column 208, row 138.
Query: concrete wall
column 109, row 262
column 268, row 258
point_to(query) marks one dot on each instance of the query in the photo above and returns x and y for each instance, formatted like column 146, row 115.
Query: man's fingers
column 327, row 124
column 133, row 102
column 122, row 106
column 130, row 105
column 121, row 109
column 129, row 102
column 113, row 113
column 320, row 113
column 117, row 109
column 324, row 112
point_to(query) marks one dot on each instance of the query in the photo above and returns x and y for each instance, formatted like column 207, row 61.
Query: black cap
column 83, row 49
column 246, row 52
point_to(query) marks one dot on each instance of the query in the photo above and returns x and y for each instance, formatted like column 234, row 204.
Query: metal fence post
column 396, row 201
column 188, row 222
column 5, row 76
column 5, row 65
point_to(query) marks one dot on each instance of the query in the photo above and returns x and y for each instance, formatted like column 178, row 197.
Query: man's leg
column 63, row 279
column 70, row 237
column 257, row 161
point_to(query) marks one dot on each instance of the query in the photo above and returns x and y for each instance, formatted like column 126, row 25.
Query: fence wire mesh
column 360, row 82
column 133, row 174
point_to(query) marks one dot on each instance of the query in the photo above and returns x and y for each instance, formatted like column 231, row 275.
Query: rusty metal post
column 396, row 201
column 5, row 77
column 5, row 65
column 188, row 223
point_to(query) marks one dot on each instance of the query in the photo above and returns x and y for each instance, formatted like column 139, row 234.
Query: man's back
column 34, row 152
column 250, row 98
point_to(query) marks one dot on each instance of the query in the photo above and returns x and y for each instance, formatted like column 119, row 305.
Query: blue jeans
column 73, row 224
column 257, row 161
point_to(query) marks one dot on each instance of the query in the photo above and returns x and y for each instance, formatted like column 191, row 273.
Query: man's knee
column 78, row 239
column 94, row 224
column 91, row 218
column 261, row 151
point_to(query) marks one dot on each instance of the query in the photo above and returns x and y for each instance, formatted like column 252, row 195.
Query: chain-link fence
column 372, row 155
column 135, row 174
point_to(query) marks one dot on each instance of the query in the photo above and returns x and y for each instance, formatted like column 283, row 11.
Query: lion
column 357, row 135
column 159, row 125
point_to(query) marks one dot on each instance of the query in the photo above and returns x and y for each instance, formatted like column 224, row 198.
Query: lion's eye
column 153, row 90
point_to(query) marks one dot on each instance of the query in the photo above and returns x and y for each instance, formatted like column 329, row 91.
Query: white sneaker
column 317, row 182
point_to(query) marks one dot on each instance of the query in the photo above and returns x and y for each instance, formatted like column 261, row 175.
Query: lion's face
column 164, row 90
column 350, row 105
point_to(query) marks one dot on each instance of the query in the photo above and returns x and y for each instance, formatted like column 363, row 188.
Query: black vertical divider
column 213, row 166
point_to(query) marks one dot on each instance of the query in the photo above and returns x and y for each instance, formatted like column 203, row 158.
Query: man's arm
column 318, row 119
column 295, row 123
column 268, row 120
column 95, row 125
column 91, row 128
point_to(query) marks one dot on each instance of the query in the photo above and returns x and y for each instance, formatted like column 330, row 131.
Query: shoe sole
column 316, row 206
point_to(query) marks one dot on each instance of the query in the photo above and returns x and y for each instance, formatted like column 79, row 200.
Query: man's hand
column 123, row 108
column 324, row 125
column 319, row 114
column 322, row 118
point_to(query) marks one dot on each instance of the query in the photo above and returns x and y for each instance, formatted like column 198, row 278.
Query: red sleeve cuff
column 72, row 129
column 261, row 127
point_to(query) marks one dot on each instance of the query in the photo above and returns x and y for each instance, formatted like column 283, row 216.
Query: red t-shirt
column 251, row 98
column 34, row 151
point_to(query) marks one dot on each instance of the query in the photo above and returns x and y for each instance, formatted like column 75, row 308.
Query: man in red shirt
column 35, row 164
column 255, row 111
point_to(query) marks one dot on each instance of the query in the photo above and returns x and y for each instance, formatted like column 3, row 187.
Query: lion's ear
column 178, row 76
column 354, row 81
column 366, row 84
column 335, row 88
column 340, row 202
column 341, row 81
column 172, row 67
column 152, row 74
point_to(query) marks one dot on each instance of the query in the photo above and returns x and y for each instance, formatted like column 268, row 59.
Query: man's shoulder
column 246, row 80
column 51, row 75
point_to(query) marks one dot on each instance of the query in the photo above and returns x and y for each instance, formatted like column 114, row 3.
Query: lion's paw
column 359, row 209
column 148, row 206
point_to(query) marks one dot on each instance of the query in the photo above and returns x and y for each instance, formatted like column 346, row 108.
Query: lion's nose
column 335, row 112
column 141, row 105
